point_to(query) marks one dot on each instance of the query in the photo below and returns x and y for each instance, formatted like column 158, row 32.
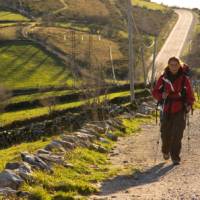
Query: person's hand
column 164, row 95
column 188, row 108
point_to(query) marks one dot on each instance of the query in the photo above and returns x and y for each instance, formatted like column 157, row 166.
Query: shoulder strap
column 183, row 90
column 183, row 81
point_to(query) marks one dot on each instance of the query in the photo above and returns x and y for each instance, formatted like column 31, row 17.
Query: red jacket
column 174, row 85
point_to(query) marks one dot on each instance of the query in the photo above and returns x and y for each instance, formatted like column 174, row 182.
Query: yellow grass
column 13, row 153
column 149, row 5
column 88, row 7
column 60, row 38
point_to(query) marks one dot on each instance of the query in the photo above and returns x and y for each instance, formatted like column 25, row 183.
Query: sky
column 181, row 3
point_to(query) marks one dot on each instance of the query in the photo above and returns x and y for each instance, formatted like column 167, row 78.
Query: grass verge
column 82, row 180
column 13, row 153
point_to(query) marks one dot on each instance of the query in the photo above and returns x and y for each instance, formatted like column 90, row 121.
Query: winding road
column 175, row 42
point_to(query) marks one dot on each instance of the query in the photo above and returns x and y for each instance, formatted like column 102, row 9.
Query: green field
column 39, row 95
column 10, row 16
column 9, row 117
column 26, row 65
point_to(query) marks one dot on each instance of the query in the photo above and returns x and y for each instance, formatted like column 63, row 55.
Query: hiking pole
column 188, row 130
column 161, row 118
column 158, row 139
column 157, row 146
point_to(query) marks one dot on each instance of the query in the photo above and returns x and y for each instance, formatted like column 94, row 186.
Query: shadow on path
column 125, row 182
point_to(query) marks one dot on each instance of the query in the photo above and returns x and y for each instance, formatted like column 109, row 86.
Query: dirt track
column 160, row 180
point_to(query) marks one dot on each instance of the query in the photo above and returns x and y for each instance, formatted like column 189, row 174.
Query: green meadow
column 26, row 65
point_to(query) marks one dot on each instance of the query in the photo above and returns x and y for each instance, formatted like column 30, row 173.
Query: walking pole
column 157, row 146
column 188, row 131
column 158, row 139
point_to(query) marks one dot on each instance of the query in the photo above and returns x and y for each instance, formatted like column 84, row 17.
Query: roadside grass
column 9, row 117
column 197, row 102
column 11, row 16
column 89, row 169
column 26, row 65
column 133, row 125
column 13, row 153
column 149, row 5
column 191, row 53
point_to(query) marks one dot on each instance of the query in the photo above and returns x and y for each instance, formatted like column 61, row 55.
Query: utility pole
column 143, row 66
column 153, row 65
column 90, row 48
column 112, row 64
column 73, row 56
column 131, row 50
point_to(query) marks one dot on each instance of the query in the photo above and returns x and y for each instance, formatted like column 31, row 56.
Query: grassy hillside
column 79, row 9
column 149, row 5
column 193, row 57
column 84, row 10
column 192, row 54
column 34, row 8
column 26, row 65
column 61, row 39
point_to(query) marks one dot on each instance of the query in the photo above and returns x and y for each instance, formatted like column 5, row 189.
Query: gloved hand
column 188, row 108
column 165, row 95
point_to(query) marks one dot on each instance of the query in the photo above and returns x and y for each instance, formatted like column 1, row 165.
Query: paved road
column 176, row 40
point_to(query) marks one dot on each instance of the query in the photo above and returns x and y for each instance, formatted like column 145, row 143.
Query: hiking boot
column 176, row 162
column 166, row 156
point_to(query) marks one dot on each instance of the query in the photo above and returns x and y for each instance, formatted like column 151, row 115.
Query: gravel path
column 157, row 180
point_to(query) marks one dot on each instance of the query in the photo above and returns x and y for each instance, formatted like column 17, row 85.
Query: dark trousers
column 172, row 128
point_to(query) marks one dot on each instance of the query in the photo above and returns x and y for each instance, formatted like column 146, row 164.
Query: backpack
column 187, row 74
column 187, row 71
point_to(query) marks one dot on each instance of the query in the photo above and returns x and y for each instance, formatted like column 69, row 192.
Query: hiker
column 174, row 92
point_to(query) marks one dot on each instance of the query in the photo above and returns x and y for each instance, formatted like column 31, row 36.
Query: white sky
column 181, row 3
